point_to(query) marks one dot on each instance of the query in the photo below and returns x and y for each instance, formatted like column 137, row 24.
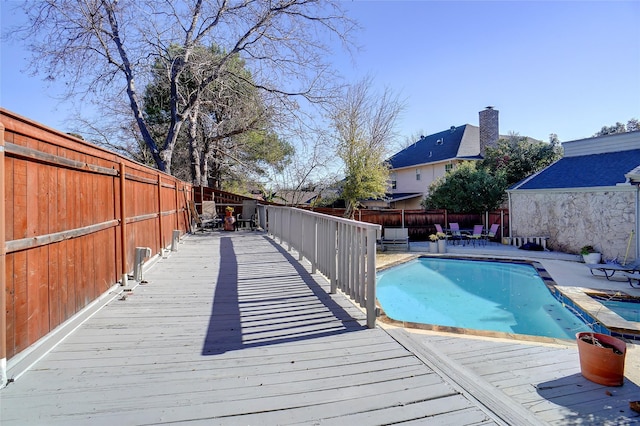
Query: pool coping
column 597, row 316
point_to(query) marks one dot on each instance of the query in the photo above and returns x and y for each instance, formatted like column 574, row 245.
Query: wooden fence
column 71, row 217
column 421, row 223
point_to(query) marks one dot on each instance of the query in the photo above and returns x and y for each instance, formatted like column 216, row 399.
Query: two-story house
column 415, row 167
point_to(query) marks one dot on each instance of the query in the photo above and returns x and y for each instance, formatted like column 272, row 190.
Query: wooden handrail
column 342, row 250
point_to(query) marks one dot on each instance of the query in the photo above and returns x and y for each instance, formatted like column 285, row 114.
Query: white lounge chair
column 608, row 269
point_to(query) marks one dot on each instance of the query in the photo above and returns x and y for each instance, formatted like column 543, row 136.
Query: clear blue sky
column 548, row 67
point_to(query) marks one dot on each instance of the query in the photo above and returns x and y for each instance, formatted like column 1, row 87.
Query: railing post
column 301, row 234
column 333, row 257
column 371, row 278
column 314, row 246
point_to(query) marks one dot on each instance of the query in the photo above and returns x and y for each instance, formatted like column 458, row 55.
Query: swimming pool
column 477, row 295
column 627, row 308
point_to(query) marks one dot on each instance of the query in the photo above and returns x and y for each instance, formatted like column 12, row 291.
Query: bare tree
column 365, row 128
column 102, row 48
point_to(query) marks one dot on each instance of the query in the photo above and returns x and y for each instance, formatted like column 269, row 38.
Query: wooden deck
column 231, row 329
column 545, row 379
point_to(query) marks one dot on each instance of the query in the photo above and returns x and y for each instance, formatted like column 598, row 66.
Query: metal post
column 142, row 253
column 175, row 239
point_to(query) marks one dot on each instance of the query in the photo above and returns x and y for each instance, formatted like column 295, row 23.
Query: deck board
column 231, row 329
column 543, row 378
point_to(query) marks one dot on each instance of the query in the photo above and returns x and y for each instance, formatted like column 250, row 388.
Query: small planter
column 433, row 247
column 592, row 258
column 602, row 362
column 442, row 246
column 229, row 220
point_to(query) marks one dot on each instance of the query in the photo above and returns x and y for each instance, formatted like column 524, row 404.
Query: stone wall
column 604, row 219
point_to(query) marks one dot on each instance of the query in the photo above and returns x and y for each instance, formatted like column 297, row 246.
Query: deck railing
column 342, row 250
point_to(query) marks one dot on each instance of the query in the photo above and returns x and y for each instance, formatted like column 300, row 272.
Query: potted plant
column 433, row 243
column 590, row 255
column 601, row 358
column 442, row 242
column 229, row 220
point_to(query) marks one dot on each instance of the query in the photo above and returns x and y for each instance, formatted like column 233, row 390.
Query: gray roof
column 429, row 149
column 604, row 169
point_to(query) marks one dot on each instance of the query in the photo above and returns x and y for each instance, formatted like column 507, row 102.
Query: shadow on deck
column 271, row 305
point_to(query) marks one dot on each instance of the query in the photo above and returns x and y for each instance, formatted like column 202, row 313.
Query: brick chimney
column 489, row 129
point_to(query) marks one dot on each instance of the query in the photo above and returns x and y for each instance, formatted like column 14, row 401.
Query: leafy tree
column 364, row 125
column 519, row 157
column 106, row 49
column 467, row 189
column 631, row 126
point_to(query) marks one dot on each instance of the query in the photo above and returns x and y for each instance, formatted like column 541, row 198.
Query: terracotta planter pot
column 602, row 365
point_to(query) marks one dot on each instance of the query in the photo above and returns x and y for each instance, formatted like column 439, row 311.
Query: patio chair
column 477, row 235
column 209, row 217
column 248, row 217
column 456, row 235
column 440, row 230
column 493, row 232
column 609, row 269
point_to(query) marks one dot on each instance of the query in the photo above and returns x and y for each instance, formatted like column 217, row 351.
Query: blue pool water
column 627, row 309
column 480, row 295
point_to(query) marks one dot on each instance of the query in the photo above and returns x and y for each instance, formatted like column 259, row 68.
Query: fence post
column 160, row 233
column 3, row 271
column 123, row 225
column 177, row 225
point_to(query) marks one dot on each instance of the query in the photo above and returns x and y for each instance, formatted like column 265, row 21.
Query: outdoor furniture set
column 477, row 234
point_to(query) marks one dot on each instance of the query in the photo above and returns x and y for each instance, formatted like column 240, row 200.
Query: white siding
column 602, row 144
column 470, row 143
column 406, row 178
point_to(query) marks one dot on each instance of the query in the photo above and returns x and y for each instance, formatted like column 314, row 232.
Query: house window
column 417, row 174
column 448, row 168
column 393, row 181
